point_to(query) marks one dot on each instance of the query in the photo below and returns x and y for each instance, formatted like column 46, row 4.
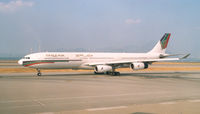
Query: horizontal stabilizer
column 169, row 55
column 184, row 57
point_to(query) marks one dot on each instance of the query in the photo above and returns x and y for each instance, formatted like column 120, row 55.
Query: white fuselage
column 101, row 62
column 67, row 60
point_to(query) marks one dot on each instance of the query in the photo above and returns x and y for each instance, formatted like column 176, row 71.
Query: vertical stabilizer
column 161, row 46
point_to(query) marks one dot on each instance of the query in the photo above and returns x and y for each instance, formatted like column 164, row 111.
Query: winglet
column 184, row 57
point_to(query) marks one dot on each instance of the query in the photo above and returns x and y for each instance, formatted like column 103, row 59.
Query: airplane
column 100, row 62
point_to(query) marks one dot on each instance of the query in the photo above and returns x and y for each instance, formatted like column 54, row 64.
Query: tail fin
column 161, row 46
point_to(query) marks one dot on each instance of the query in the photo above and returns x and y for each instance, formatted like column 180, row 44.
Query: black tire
column 39, row 74
column 108, row 73
column 115, row 73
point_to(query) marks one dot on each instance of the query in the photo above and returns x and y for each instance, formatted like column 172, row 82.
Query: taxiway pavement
column 84, row 92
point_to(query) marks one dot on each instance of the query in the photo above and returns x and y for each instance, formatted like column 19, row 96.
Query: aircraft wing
column 136, row 60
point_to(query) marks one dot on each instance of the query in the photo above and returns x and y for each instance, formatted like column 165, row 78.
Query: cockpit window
column 26, row 58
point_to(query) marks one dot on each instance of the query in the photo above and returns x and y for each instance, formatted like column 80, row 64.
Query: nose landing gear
column 39, row 73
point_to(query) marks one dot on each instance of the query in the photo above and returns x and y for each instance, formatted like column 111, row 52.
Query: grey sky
column 98, row 25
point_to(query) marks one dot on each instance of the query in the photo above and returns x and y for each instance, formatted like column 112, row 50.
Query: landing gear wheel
column 108, row 73
column 115, row 73
column 39, row 74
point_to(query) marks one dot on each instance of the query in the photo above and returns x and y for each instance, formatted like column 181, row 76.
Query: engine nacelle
column 102, row 68
column 139, row 66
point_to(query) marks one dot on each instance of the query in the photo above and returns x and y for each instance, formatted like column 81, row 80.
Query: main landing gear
column 39, row 73
column 109, row 73
column 113, row 73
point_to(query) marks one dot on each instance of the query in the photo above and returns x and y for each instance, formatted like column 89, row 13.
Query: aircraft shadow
column 178, row 75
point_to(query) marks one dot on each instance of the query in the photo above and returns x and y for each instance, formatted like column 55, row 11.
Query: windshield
column 26, row 58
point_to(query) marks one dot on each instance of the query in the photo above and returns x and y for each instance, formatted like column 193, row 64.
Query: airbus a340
column 100, row 62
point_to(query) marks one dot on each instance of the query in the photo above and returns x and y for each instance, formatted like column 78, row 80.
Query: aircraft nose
column 20, row 62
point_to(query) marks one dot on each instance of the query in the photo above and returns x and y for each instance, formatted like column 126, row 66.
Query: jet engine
column 139, row 66
column 102, row 68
